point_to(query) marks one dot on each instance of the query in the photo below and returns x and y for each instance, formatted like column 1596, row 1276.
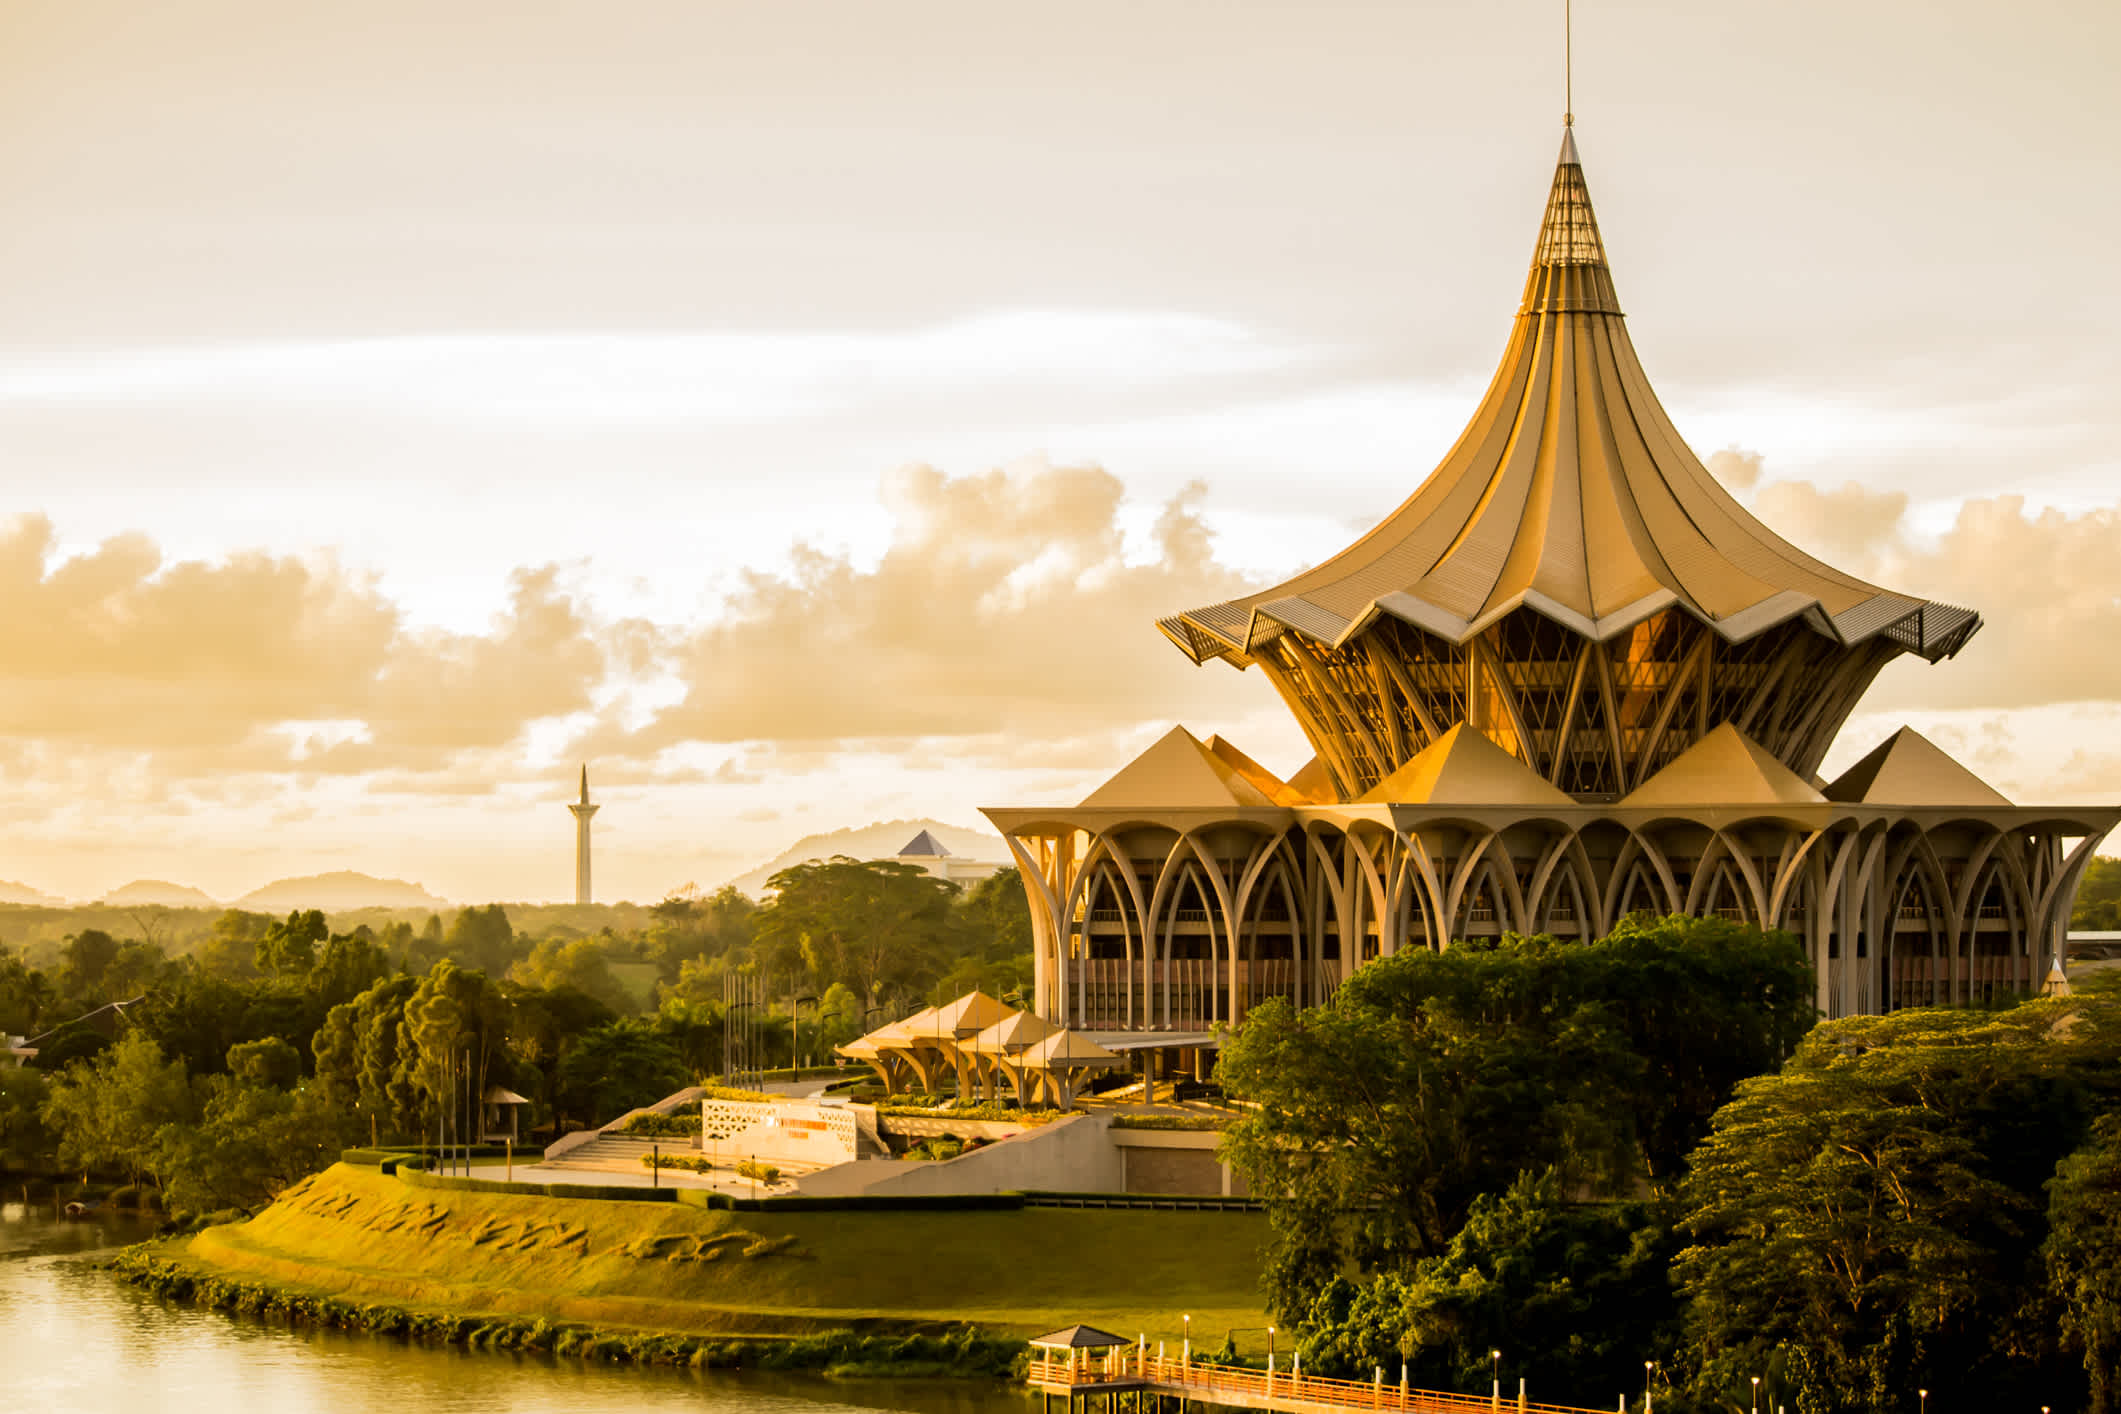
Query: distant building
column 926, row 852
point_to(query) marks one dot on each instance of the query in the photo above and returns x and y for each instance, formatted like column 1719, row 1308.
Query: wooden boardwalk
column 1133, row 1370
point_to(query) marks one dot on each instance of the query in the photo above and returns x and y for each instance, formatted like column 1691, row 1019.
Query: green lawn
column 356, row 1233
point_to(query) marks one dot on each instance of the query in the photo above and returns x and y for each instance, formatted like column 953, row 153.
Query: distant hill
column 340, row 892
column 879, row 841
column 144, row 892
column 23, row 893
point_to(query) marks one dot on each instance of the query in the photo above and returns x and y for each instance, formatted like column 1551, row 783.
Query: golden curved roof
column 1569, row 493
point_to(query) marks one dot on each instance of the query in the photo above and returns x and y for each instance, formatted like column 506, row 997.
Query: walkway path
column 1133, row 1368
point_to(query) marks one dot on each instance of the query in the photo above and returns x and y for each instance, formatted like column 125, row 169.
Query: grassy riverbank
column 355, row 1235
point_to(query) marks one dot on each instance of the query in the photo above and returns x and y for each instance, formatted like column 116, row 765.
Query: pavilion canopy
column 1571, row 494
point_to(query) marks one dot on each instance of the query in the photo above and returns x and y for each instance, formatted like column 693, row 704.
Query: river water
column 76, row 1340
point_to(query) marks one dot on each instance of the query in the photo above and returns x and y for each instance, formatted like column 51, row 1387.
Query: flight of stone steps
column 617, row 1153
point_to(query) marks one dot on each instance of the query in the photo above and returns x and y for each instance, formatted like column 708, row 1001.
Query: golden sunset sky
column 801, row 410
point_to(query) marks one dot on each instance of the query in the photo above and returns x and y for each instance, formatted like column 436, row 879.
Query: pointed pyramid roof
column 1726, row 767
column 1015, row 1032
column 1462, row 767
column 1313, row 785
column 1178, row 771
column 973, row 1012
column 925, row 846
column 1907, row 768
column 1065, row 1048
column 1263, row 780
column 1570, row 493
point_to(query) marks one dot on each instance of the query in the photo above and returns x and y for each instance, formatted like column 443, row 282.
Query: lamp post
column 1186, row 1357
column 1924, row 1395
column 1495, row 1394
column 1649, row 1368
column 1756, row 1394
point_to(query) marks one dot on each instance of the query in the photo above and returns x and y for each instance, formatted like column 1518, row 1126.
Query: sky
column 801, row 412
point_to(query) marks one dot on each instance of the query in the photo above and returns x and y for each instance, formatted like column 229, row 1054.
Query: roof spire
column 585, row 783
column 1568, row 63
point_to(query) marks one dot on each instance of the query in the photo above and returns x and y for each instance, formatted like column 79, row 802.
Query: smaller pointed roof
column 972, row 1013
column 1177, row 772
column 1018, row 1031
column 1907, row 768
column 924, row 846
column 1065, row 1048
column 1079, row 1338
column 1726, row 767
column 1265, row 781
column 1313, row 784
column 1462, row 767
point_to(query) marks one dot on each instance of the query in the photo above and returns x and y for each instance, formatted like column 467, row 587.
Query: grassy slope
column 355, row 1233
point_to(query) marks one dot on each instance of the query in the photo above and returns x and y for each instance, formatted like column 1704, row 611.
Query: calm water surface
column 76, row 1340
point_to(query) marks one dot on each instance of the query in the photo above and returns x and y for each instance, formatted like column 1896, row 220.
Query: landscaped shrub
column 691, row 1163
column 655, row 1126
column 929, row 1107
column 762, row 1173
column 1180, row 1122
column 940, row 1147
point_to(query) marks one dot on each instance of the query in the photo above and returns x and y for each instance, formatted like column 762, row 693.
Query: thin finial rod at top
column 1568, row 63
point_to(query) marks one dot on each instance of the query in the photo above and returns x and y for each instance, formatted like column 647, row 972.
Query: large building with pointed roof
column 1570, row 678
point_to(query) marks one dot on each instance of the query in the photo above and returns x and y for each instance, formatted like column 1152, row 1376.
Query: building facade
column 1569, row 679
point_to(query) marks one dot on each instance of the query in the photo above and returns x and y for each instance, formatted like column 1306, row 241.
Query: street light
column 1756, row 1394
column 1648, row 1368
column 1925, row 1395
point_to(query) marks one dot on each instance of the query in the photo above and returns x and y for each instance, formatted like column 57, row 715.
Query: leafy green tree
column 289, row 947
column 196, row 1016
column 581, row 965
column 1434, row 1078
column 24, row 1140
column 1578, row 1293
column 107, row 1112
column 85, row 960
column 349, row 965
column 482, row 939
column 1863, row 1222
column 454, row 1037
column 271, row 1061
column 230, row 951
column 618, row 1067
column 253, row 1139
column 363, row 1062
column 879, row 927
column 26, row 996
column 2082, row 1256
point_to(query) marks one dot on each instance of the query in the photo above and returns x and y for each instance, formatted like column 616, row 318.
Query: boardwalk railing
column 1218, row 1384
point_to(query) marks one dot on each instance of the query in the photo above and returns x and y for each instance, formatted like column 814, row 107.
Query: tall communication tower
column 581, row 811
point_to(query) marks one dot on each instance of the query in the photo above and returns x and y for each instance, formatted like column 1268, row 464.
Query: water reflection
column 74, row 1338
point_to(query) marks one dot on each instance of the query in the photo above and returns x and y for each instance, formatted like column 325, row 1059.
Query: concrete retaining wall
column 1073, row 1155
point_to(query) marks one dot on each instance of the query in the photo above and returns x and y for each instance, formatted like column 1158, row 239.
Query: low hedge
column 655, row 1126
column 1178, row 1122
column 963, row 1350
column 612, row 1192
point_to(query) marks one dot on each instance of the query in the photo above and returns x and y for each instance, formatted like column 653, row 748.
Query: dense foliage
column 1434, row 1078
column 223, row 1055
column 1570, row 1155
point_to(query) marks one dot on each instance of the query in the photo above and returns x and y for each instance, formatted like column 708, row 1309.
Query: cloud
column 259, row 661
column 1736, row 468
column 1004, row 603
column 2046, row 582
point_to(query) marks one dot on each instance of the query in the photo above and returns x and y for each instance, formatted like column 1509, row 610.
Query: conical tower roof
column 1726, row 767
column 1907, row 768
column 1572, row 494
column 1179, row 770
column 1462, row 767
